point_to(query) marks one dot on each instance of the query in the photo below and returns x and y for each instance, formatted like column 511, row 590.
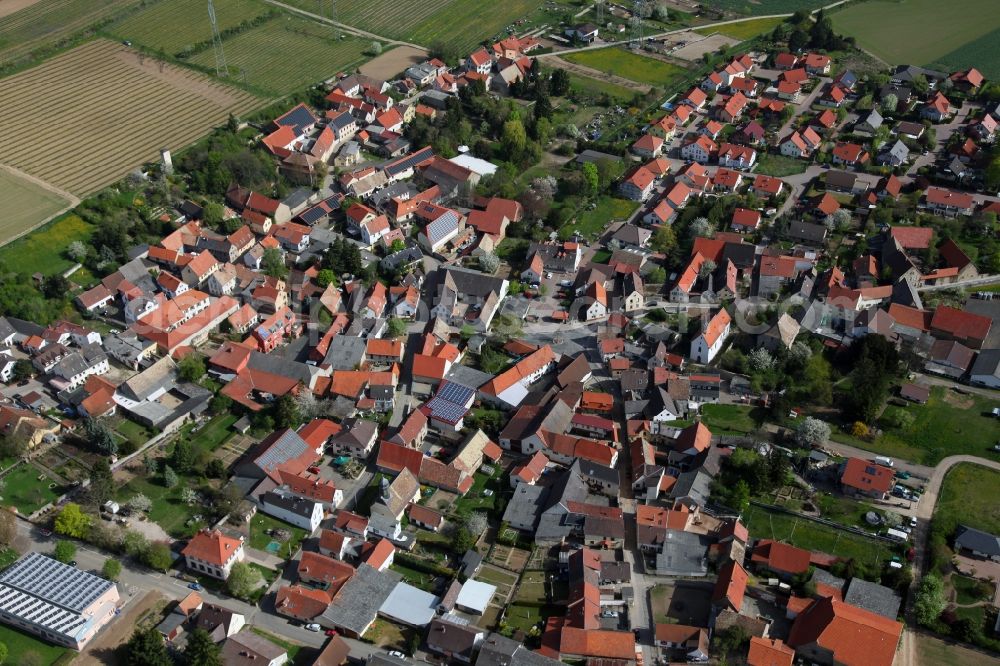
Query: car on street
column 195, row 586
column 331, row 632
column 913, row 521
column 312, row 626
column 398, row 654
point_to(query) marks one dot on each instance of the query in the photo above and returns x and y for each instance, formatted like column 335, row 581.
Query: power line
column 220, row 55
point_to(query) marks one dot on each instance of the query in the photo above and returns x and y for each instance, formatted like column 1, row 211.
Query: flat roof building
column 53, row 600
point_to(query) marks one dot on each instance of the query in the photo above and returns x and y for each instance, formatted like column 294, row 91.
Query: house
column 937, row 108
column 948, row 202
column 976, row 543
column 863, row 477
column 426, row 518
column 394, row 498
column 250, row 649
column 689, row 643
column 453, row 640
column 648, row 146
column 699, row 150
column 915, row 392
column 970, row 329
column 637, row 185
column 769, row 652
column 817, row 63
column 767, row 186
column 800, row 144
column 986, row 369
column 870, row 123
column 830, row 631
column 585, row 32
column 298, row 511
column 212, row 553
column 710, row 341
column 737, row 157
column 850, row 154
column 894, row 155
column 784, row 560
column 730, row 586
column 745, row 220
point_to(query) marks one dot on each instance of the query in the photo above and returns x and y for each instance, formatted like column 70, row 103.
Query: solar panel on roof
column 455, row 393
column 445, row 410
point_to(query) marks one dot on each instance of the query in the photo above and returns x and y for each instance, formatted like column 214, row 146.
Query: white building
column 298, row 511
column 213, row 553
column 712, row 338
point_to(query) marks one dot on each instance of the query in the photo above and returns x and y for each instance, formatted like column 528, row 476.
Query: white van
column 882, row 460
column 897, row 535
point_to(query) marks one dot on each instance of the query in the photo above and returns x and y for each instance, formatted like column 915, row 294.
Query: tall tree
column 146, row 648
column 201, row 650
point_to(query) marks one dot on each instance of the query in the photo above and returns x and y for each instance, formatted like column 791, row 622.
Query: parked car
column 397, row 653
column 195, row 586
column 913, row 521
column 312, row 626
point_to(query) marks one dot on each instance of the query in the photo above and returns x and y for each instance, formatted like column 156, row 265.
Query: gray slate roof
column 977, row 540
column 873, row 597
column 357, row 603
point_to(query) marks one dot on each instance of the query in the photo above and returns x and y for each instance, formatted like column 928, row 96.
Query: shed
column 475, row 596
column 915, row 393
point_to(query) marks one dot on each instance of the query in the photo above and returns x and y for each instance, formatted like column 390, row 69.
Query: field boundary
column 358, row 32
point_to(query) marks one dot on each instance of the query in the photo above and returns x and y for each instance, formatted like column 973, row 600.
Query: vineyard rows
column 47, row 21
column 287, row 54
column 122, row 113
column 176, row 25
column 462, row 24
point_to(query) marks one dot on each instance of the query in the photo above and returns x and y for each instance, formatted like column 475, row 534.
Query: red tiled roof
column 913, row 238
column 746, row 218
column 213, row 547
column 780, row 557
column 960, row 324
column 867, row 476
column 715, row 328
column 597, row 643
column 854, row 636
column 398, row 457
column 317, row 567
column 769, row 652
column 731, row 585
column 301, row 602
column 910, row 317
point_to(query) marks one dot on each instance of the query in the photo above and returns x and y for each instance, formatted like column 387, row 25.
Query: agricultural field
column 26, row 205
column 460, row 24
column 980, row 53
column 124, row 111
column 628, row 65
column 262, row 55
column 46, row 22
column 766, row 7
column 178, row 25
column 920, row 32
column 40, row 251
column 744, row 29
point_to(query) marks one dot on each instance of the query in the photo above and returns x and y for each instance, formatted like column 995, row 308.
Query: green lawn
column 590, row 86
column 213, row 434
column 259, row 537
column 845, row 511
column 495, row 577
column 168, row 511
column 744, row 29
column 474, row 500
column 917, row 31
column 421, row 579
column 967, row 590
column 26, row 649
column 969, row 497
column 134, row 432
column 23, row 489
column 179, row 25
column 766, row 7
column 619, row 62
column 729, row 419
column 590, row 223
column 526, row 617
column 42, row 250
column 948, row 424
column 532, row 589
column 810, row 535
column 769, row 164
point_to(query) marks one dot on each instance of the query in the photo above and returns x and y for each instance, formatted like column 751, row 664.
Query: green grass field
column 919, row 31
column 779, row 166
column 948, row 424
column 811, row 535
column 590, row 223
column 41, row 250
column 584, row 85
column 26, row 649
column 259, row 538
column 729, row 419
column 263, row 54
column 178, row 25
column 626, row 64
column 25, row 205
column 968, row 497
column 47, row 21
column 23, row 489
column 766, row 7
column 744, row 29
column 168, row 511
column 461, row 24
